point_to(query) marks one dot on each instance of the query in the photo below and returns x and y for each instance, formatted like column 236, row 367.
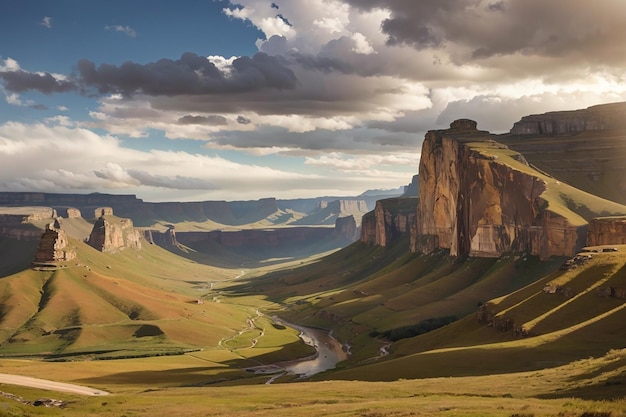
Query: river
column 329, row 353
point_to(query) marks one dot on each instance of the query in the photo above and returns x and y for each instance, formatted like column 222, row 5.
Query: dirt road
column 27, row 381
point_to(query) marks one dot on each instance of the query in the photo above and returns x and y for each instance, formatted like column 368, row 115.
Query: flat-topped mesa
column 479, row 198
column 346, row 228
column 53, row 247
column 391, row 220
column 111, row 233
column 601, row 117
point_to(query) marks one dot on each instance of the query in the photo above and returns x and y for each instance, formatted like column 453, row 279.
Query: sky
column 246, row 99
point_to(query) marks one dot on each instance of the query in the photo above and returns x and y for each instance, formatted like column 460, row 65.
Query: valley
column 498, row 291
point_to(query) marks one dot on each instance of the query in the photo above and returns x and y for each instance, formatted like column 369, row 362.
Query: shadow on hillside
column 212, row 254
column 16, row 255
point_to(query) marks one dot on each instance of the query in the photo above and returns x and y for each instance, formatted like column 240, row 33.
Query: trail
column 26, row 381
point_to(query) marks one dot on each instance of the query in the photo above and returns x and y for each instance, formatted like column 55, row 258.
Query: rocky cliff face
column 166, row 239
column 53, row 247
column 346, row 228
column 474, row 204
column 19, row 222
column 607, row 231
column 111, row 233
column 391, row 219
column 603, row 117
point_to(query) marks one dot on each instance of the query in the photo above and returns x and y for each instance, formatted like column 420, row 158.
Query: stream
column 329, row 353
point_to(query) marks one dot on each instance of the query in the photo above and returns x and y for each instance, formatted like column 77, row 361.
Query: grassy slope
column 572, row 203
column 594, row 162
column 562, row 329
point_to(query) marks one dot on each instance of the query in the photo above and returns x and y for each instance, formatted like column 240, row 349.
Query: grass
column 177, row 335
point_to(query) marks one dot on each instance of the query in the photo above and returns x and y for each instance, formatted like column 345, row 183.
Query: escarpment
column 601, row 117
column 480, row 198
column 111, row 233
column 390, row 220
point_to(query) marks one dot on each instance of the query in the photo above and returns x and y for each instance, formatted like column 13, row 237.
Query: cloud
column 478, row 30
column 57, row 158
column 19, row 81
column 46, row 22
column 189, row 75
column 127, row 30
column 210, row 120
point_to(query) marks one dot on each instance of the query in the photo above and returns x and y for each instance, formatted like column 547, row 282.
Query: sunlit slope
column 574, row 204
column 565, row 316
column 594, row 161
column 364, row 289
column 134, row 302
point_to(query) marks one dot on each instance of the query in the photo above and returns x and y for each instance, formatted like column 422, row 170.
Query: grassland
column 170, row 336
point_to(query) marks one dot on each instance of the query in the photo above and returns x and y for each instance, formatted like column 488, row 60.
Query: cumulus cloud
column 476, row 30
column 56, row 158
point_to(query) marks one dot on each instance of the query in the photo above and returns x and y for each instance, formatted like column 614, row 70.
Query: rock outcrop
column 607, row 231
column 473, row 203
column 53, row 247
column 346, row 228
column 602, row 117
column 111, row 233
column 165, row 239
column 327, row 212
column 390, row 220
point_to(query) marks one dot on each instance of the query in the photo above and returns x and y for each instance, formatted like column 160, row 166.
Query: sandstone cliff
column 607, row 231
column 479, row 198
column 346, row 228
column 391, row 219
column 111, row 233
column 53, row 247
column 602, row 117
column 327, row 212
column 165, row 239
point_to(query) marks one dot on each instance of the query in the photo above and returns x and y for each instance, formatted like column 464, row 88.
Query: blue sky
column 238, row 100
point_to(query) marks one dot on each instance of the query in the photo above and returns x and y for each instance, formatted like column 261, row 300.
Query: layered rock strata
column 111, row 233
column 346, row 228
column 607, row 231
column 53, row 247
column 392, row 219
column 601, row 117
column 474, row 204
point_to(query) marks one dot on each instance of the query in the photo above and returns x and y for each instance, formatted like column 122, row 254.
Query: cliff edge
column 478, row 197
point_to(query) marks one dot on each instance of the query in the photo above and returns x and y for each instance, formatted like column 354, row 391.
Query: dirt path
column 27, row 381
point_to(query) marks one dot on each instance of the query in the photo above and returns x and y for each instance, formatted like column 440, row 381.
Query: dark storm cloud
column 529, row 27
column 212, row 120
column 20, row 81
column 190, row 75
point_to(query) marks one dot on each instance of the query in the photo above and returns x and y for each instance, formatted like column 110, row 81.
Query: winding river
column 329, row 353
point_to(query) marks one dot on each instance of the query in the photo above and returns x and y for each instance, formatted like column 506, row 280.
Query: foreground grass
column 521, row 394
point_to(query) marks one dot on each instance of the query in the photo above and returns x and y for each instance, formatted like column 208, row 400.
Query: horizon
column 250, row 99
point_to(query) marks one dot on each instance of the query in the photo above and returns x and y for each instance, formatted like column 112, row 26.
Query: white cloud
column 46, row 22
column 362, row 45
column 127, row 30
column 57, row 158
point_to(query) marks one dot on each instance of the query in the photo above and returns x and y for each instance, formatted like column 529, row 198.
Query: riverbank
column 329, row 352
